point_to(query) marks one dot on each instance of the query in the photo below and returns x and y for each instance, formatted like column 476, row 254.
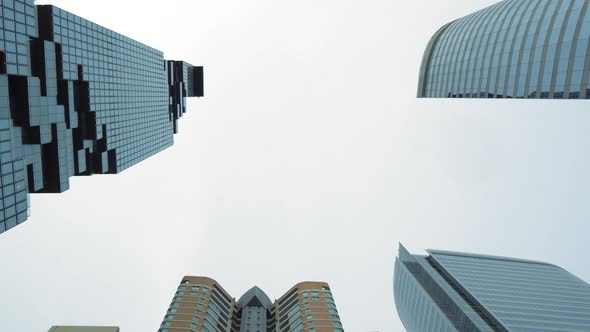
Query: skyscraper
column 78, row 99
column 513, row 49
column 83, row 329
column 202, row 305
column 449, row 291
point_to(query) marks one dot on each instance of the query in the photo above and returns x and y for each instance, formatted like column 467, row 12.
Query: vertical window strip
column 433, row 51
column 576, row 78
column 505, row 70
column 474, row 50
column 474, row 34
column 571, row 54
column 585, row 81
column 544, row 66
column 563, row 28
column 498, row 48
column 534, row 62
column 482, row 44
column 460, row 53
column 526, row 49
column 482, row 84
column 443, row 60
column 454, row 54
column 436, row 70
column 435, row 62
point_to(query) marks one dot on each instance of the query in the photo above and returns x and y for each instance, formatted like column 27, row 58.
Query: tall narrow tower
column 202, row 305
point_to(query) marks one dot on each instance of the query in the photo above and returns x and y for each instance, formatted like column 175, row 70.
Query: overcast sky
column 309, row 159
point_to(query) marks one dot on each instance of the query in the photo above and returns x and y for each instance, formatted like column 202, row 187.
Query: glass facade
column 426, row 302
column 307, row 307
column 513, row 49
column 465, row 292
column 78, row 99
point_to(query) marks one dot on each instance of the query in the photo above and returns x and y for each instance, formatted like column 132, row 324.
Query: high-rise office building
column 83, row 329
column 202, row 305
column 78, row 99
column 512, row 49
column 449, row 291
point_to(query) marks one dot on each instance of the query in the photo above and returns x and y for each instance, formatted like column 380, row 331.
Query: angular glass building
column 513, row 49
column 78, row 99
column 449, row 291
column 202, row 305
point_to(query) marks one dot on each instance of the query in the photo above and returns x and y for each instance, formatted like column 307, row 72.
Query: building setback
column 78, row 99
column 202, row 305
column 513, row 49
column 449, row 291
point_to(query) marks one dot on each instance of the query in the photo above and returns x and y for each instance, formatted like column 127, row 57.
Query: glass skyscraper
column 513, row 49
column 449, row 291
column 78, row 99
column 202, row 305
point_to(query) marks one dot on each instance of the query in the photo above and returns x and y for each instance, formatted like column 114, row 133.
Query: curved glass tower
column 449, row 291
column 513, row 49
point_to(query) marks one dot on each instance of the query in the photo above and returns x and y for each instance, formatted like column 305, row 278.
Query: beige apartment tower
column 202, row 305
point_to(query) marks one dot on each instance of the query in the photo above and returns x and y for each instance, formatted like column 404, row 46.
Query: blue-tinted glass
column 460, row 51
column 467, row 55
column 522, row 294
column 477, row 54
column 489, row 22
column 100, row 103
column 499, row 48
column 487, row 293
column 444, row 60
column 516, row 48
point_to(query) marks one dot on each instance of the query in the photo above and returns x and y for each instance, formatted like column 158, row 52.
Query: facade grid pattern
column 78, row 99
column 449, row 291
column 523, row 296
column 513, row 49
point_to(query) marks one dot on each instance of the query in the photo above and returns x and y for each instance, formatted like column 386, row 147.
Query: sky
column 309, row 159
